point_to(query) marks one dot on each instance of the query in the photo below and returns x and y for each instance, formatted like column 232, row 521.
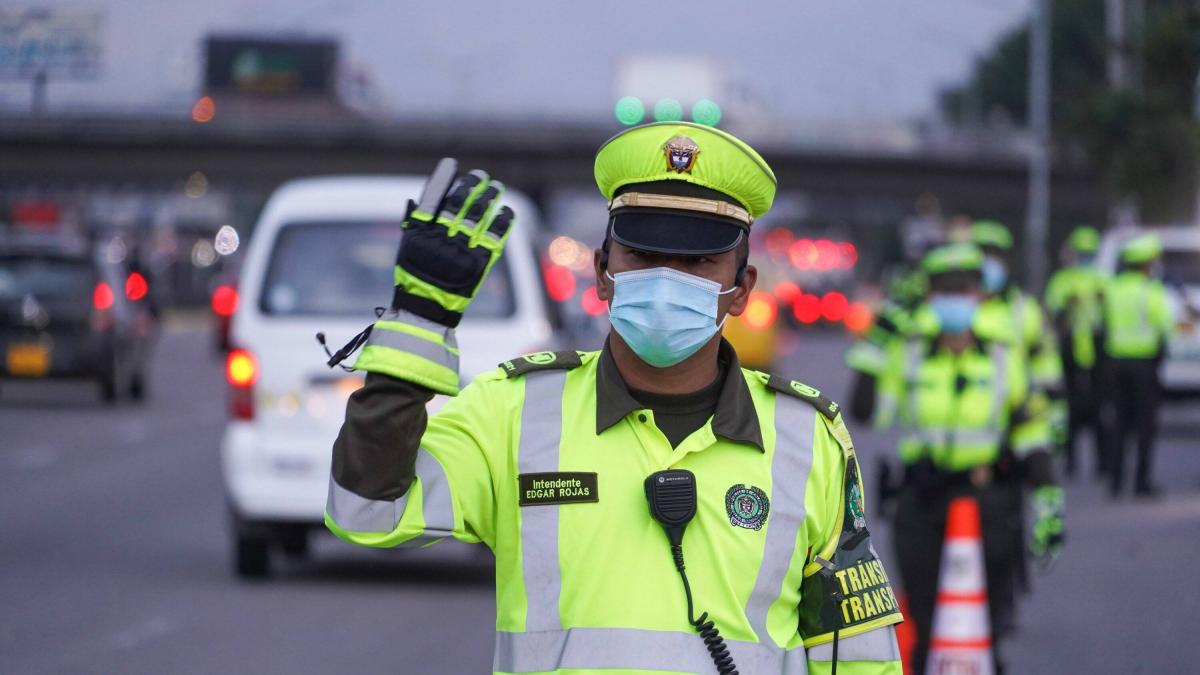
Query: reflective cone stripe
column 961, row 639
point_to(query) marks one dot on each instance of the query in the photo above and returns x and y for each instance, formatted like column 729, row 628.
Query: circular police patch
column 747, row 507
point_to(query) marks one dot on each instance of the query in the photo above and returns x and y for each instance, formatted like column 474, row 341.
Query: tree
column 1144, row 143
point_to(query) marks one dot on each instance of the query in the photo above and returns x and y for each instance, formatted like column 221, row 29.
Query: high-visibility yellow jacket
column 961, row 411
column 1137, row 316
column 1074, row 293
column 1016, row 316
column 585, row 581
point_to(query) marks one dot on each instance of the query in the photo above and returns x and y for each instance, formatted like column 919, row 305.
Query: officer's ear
column 600, row 264
column 741, row 297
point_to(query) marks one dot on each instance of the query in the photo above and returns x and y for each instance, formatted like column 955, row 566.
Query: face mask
column 1086, row 260
column 664, row 315
column 995, row 275
column 955, row 313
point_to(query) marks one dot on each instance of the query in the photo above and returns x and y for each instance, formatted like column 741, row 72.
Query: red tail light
column 560, row 282
column 102, row 297
column 224, row 301
column 136, row 286
column 241, row 370
column 833, row 306
column 591, row 302
column 807, row 308
column 858, row 317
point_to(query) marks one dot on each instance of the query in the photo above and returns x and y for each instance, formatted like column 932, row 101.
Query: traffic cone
column 961, row 641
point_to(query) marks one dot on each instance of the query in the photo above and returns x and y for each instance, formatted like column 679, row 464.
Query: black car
column 68, row 312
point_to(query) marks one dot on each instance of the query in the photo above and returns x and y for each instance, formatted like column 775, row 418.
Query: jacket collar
column 735, row 418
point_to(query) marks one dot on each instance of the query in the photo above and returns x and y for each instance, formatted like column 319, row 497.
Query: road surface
column 115, row 556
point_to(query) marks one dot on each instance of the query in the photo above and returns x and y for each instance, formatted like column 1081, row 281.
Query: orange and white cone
column 961, row 640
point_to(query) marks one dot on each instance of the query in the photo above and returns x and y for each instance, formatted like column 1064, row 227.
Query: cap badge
column 681, row 154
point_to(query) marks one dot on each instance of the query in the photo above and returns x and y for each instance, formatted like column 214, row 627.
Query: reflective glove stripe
column 410, row 348
column 423, row 289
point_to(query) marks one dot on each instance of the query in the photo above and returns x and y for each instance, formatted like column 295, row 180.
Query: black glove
column 452, row 237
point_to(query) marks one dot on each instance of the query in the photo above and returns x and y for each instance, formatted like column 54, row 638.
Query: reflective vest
column 961, row 410
column 1137, row 316
column 869, row 355
column 585, row 580
column 1076, row 292
column 1016, row 317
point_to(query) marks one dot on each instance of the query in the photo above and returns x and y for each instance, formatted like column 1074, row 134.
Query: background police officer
column 1137, row 325
column 969, row 426
column 1073, row 298
column 544, row 459
column 1008, row 310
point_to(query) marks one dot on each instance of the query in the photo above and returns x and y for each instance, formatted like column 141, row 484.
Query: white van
column 321, row 258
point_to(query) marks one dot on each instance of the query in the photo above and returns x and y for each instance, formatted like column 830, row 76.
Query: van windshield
column 331, row 268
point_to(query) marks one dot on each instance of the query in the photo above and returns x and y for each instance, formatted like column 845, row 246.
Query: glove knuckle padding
column 450, row 263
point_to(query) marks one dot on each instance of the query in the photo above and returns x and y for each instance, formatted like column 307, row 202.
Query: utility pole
column 1037, row 214
column 1116, row 52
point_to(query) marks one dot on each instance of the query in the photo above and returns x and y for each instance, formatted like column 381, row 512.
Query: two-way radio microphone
column 672, row 498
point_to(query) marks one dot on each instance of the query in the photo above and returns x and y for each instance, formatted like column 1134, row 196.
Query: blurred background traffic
column 190, row 191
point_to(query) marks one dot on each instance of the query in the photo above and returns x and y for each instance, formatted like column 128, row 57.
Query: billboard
column 61, row 44
column 270, row 66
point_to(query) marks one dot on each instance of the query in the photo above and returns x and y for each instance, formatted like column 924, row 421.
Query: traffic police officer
column 969, row 427
column 1009, row 310
column 1073, row 301
column 1137, row 325
column 544, row 459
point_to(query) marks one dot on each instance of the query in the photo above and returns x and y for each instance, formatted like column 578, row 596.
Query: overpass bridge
column 256, row 152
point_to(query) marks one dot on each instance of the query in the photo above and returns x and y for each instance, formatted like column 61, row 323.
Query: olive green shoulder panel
column 564, row 360
column 813, row 397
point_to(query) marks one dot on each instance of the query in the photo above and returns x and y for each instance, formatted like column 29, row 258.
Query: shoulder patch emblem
column 827, row 407
column 564, row 360
column 747, row 507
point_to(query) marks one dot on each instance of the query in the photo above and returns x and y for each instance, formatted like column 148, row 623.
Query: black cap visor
column 675, row 232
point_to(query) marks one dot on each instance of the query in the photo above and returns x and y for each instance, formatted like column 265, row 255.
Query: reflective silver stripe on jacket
column 939, row 437
column 794, row 422
column 359, row 514
column 440, row 353
column 541, row 430
column 875, row 645
column 914, row 356
column 634, row 649
column 999, row 353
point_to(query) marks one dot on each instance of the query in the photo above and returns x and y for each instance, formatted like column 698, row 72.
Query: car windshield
column 341, row 267
column 1182, row 267
column 44, row 277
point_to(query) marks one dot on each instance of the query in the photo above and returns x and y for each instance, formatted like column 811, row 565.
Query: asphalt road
column 114, row 557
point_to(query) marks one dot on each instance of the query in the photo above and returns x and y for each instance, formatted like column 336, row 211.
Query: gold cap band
column 657, row 201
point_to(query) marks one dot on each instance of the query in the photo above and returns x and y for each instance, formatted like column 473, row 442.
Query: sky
column 857, row 61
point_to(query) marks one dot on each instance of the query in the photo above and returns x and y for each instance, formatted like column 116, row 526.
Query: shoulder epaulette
column 825, row 406
column 564, row 360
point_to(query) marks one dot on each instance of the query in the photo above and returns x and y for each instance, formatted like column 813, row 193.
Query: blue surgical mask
column 664, row 315
column 955, row 313
column 995, row 274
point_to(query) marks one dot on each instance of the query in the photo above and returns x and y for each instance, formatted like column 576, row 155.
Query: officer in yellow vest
column 1009, row 310
column 1137, row 325
column 1073, row 300
column 969, row 425
column 581, row 470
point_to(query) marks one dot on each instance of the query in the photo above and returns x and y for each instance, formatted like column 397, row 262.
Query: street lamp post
column 1038, row 205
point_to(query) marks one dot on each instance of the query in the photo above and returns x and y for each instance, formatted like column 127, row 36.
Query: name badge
column 557, row 488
